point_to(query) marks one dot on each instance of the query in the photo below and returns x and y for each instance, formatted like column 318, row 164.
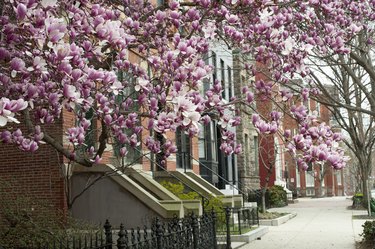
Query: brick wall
column 37, row 175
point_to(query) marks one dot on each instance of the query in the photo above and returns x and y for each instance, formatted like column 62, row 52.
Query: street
column 320, row 223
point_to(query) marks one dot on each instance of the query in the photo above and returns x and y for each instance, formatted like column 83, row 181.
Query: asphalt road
column 321, row 223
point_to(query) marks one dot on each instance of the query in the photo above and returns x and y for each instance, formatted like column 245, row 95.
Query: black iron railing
column 237, row 221
column 191, row 232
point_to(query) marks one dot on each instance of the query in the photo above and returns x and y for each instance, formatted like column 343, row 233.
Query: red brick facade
column 38, row 175
column 333, row 181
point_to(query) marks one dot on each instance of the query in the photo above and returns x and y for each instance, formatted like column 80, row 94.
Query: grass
column 270, row 215
column 364, row 245
column 243, row 230
column 234, row 230
column 363, row 217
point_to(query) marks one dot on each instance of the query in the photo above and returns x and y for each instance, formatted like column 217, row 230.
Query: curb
column 277, row 221
column 250, row 236
column 240, row 240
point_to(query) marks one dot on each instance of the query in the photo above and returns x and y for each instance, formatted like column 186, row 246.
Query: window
column 309, row 179
column 298, row 178
column 91, row 132
column 230, row 93
column 307, row 104
column 213, row 137
column 206, row 80
column 338, row 178
column 317, row 108
column 133, row 155
column 202, row 146
column 183, row 155
column 247, row 153
column 222, row 69
column 214, row 72
column 256, row 155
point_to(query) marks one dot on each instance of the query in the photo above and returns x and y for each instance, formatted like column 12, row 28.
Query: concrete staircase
column 197, row 184
column 124, row 197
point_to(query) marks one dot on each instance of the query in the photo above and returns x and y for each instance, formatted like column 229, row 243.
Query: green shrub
column 358, row 200
column 29, row 222
column 368, row 233
column 278, row 196
column 178, row 190
column 213, row 203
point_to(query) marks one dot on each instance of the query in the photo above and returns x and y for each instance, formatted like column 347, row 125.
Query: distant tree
column 346, row 86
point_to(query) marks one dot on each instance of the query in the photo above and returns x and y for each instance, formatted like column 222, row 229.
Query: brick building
column 317, row 180
column 48, row 176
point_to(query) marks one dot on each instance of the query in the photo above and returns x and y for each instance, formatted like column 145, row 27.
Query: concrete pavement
column 322, row 223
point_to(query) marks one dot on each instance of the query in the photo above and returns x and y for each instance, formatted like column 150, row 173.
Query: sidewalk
column 320, row 223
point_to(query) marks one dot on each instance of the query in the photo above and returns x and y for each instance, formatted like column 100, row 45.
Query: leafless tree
column 347, row 86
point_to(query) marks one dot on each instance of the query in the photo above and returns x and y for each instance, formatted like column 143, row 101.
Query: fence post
column 257, row 215
column 108, row 234
column 213, row 217
column 195, row 226
column 227, row 223
column 122, row 240
column 159, row 234
column 239, row 221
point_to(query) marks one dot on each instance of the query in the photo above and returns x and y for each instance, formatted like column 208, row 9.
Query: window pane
column 183, row 158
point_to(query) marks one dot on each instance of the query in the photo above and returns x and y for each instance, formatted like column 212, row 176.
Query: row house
column 248, row 161
column 318, row 180
column 127, row 194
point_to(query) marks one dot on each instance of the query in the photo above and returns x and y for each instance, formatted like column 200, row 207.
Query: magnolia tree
column 72, row 56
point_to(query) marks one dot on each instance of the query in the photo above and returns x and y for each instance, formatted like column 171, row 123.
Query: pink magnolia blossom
column 8, row 109
column 58, row 56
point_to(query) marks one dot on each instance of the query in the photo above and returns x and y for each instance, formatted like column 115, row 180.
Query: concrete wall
column 107, row 200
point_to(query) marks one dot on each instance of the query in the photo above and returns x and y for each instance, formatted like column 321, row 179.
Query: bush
column 213, row 203
column 278, row 196
column 178, row 190
column 368, row 231
column 28, row 222
column 358, row 201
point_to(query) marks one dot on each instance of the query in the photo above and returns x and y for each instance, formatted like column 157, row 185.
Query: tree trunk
column 318, row 189
column 264, row 189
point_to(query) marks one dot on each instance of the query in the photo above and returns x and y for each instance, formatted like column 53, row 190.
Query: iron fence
column 191, row 232
column 237, row 221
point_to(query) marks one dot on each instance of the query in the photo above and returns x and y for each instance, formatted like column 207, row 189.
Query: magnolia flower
column 287, row 133
column 8, row 108
column 141, row 84
column 56, row 29
column 188, row 111
column 116, row 87
column 21, row 11
column 191, row 118
column 286, row 95
column 70, row 92
column 288, row 46
column 17, row 65
column 48, row 3
column 76, row 135
column 302, row 165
